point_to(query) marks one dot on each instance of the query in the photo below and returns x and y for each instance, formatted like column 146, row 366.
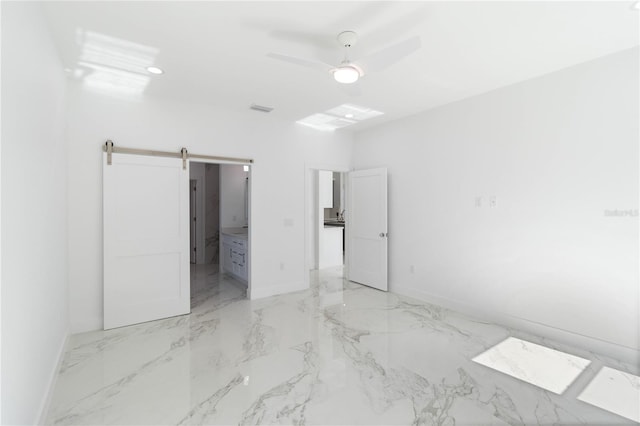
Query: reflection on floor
column 615, row 391
column 539, row 365
column 338, row 353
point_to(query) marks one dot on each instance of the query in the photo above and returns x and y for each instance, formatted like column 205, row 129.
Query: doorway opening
column 362, row 203
column 327, row 219
column 220, row 232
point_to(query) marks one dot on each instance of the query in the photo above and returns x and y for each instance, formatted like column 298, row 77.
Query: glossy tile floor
column 339, row 353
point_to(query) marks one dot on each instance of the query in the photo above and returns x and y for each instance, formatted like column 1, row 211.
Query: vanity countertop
column 236, row 232
column 333, row 222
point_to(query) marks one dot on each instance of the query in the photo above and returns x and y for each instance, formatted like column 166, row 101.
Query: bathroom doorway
column 220, row 217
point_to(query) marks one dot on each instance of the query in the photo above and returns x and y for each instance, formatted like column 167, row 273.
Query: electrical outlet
column 234, row 218
column 493, row 201
column 282, row 266
column 411, row 269
column 478, row 202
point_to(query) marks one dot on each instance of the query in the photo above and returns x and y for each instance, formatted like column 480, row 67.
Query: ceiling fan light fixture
column 346, row 74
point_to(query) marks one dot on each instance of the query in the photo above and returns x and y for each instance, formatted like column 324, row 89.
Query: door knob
column 382, row 235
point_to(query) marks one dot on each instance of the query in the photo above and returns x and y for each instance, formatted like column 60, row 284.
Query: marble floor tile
column 337, row 353
column 614, row 391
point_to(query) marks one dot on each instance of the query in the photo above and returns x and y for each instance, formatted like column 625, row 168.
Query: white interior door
column 146, row 239
column 367, row 228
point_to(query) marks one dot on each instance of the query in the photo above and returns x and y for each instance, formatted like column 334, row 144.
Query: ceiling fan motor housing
column 347, row 38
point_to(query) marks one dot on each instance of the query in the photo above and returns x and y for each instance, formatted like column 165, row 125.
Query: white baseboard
column 266, row 291
column 613, row 350
column 87, row 324
column 46, row 401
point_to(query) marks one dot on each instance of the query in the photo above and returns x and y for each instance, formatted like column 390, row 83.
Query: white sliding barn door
column 146, row 239
column 367, row 228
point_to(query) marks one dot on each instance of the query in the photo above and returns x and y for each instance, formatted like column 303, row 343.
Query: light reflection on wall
column 112, row 65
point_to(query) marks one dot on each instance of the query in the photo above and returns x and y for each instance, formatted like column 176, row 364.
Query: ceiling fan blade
column 308, row 63
column 306, row 38
column 390, row 55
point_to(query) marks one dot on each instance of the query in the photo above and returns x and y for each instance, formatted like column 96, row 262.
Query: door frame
column 249, row 212
column 310, row 208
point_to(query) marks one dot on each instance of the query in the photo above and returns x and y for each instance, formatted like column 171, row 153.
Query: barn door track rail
column 110, row 148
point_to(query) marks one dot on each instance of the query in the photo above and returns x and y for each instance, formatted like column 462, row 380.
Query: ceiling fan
column 349, row 71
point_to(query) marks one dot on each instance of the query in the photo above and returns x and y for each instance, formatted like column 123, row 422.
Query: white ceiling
column 214, row 52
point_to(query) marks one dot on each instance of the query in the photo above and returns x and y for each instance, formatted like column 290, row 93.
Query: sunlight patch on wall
column 339, row 117
column 322, row 121
column 112, row 65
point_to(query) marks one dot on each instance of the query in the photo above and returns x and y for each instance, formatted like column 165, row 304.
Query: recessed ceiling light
column 348, row 115
column 155, row 70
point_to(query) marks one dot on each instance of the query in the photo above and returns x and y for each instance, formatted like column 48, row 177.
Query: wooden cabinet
column 325, row 189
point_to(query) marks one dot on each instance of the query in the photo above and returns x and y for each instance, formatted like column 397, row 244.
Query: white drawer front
column 239, row 243
column 241, row 271
column 234, row 256
column 238, row 256
column 234, row 241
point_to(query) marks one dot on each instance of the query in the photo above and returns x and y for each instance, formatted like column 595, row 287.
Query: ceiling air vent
column 261, row 108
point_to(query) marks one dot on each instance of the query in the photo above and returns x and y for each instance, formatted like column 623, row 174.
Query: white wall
column 557, row 151
column 313, row 218
column 34, row 208
column 338, row 197
column 212, row 213
column 279, row 148
column 232, row 188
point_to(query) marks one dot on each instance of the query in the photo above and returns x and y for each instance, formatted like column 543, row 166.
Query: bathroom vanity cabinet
column 235, row 253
